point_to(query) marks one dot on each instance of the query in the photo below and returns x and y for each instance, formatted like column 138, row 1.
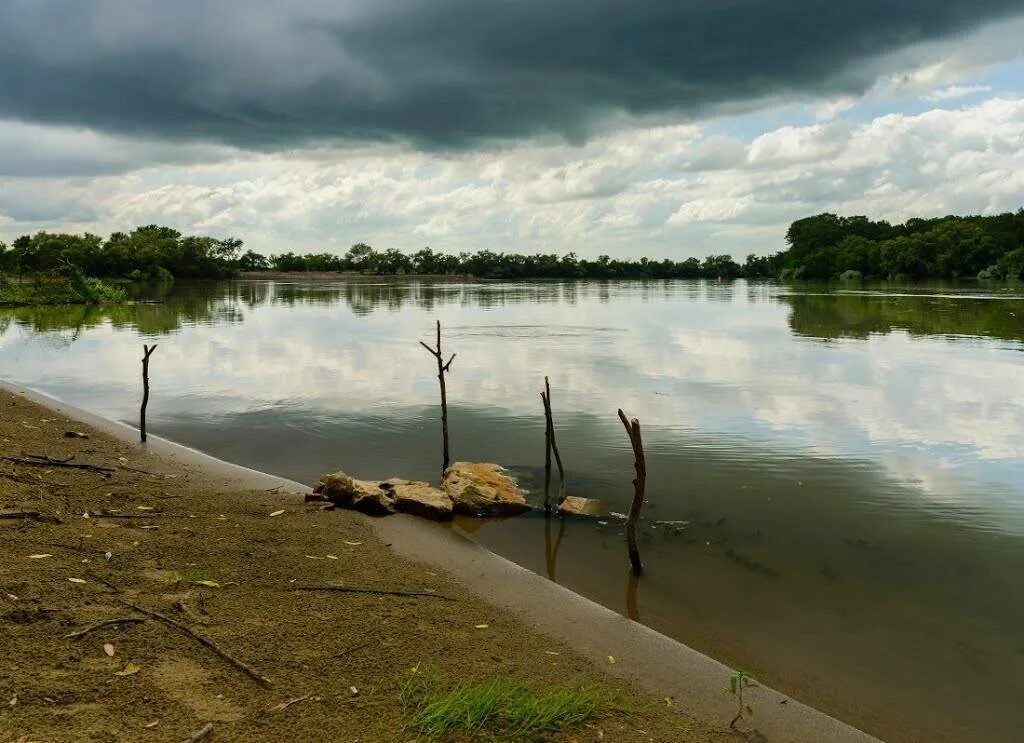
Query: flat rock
column 576, row 506
column 481, row 489
column 359, row 495
column 418, row 498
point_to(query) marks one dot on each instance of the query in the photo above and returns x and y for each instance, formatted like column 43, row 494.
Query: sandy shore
column 196, row 540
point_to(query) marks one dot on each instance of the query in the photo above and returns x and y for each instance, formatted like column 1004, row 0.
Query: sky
column 667, row 128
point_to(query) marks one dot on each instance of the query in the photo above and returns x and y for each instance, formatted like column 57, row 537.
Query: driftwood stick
column 244, row 667
column 100, row 625
column 148, row 515
column 36, row 480
column 36, row 460
column 96, row 576
column 554, row 444
column 47, row 458
column 285, row 705
column 147, row 351
column 31, row 515
column 141, row 472
column 640, row 465
column 375, row 591
column 200, row 734
column 443, row 367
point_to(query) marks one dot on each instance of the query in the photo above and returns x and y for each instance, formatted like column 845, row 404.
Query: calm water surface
column 850, row 462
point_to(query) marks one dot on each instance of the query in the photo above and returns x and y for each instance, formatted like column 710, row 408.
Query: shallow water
column 850, row 462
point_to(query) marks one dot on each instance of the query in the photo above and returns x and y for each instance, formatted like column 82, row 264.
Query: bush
column 69, row 288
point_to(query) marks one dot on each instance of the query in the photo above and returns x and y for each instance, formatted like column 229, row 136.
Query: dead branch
column 112, row 515
column 377, row 591
column 39, row 460
column 640, row 465
column 34, row 480
column 141, row 472
column 96, row 576
column 31, row 515
column 443, row 367
column 350, row 649
column 147, row 351
column 46, row 458
column 99, row 625
column 200, row 734
column 285, row 705
column 244, row 667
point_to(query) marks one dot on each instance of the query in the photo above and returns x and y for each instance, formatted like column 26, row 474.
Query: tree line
column 828, row 246
column 486, row 264
column 825, row 247
column 145, row 253
column 153, row 253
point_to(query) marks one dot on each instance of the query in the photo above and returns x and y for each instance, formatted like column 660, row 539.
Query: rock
column 418, row 498
column 480, row 489
column 576, row 506
column 359, row 495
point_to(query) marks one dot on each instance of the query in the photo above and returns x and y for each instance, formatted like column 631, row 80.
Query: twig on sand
column 137, row 470
column 350, row 649
column 32, row 515
column 99, row 625
column 201, row 733
column 244, row 667
column 39, row 460
column 96, row 576
column 377, row 591
column 36, row 480
column 285, row 705
column 111, row 515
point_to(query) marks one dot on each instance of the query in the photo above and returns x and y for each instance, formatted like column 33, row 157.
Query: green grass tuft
column 499, row 709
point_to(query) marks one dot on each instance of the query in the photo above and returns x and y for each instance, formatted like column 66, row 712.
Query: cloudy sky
column 628, row 127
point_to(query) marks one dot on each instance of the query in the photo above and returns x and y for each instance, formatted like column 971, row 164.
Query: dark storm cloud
column 438, row 72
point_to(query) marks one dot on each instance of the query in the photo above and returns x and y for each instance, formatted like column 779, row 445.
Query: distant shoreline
column 353, row 277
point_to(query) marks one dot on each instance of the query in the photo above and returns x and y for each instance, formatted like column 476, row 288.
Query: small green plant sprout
column 738, row 682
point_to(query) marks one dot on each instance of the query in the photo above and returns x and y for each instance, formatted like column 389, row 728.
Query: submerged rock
column 359, row 495
column 576, row 506
column 481, row 489
column 418, row 498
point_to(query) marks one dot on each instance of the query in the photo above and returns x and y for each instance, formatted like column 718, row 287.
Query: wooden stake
column 148, row 351
column 632, row 609
column 551, row 553
column 640, row 465
column 552, row 447
column 547, row 455
column 443, row 367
